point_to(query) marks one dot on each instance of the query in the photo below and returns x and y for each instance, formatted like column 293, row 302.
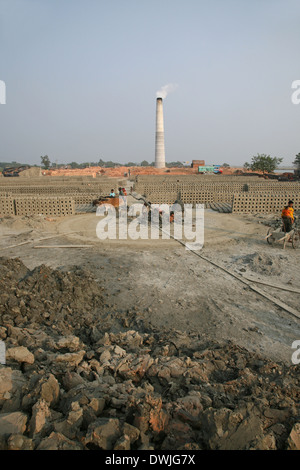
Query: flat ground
column 171, row 286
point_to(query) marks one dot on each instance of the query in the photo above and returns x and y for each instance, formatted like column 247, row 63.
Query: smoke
column 165, row 90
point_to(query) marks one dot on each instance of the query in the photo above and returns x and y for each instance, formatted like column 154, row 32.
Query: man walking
column 287, row 216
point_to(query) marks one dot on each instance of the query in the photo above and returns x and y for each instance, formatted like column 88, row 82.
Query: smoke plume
column 165, row 90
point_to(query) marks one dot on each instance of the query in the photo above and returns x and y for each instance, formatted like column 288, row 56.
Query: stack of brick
column 251, row 194
column 48, row 206
column 162, row 197
column 56, row 190
column 7, row 206
column 84, row 198
column 264, row 202
column 206, row 196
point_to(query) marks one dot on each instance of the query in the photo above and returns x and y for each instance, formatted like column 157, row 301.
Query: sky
column 81, row 78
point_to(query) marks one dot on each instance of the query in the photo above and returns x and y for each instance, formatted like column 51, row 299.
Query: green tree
column 74, row 165
column 296, row 162
column 264, row 163
column 144, row 163
column 110, row 164
column 174, row 164
column 46, row 162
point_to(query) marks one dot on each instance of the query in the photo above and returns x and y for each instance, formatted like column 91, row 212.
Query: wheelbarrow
column 279, row 235
column 108, row 202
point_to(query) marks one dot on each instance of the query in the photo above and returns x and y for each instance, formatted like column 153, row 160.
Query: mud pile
column 261, row 263
column 80, row 375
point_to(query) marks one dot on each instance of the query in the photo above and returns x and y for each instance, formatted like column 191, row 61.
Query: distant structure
column 196, row 163
column 160, row 157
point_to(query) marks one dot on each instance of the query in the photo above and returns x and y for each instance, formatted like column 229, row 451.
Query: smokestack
column 160, row 158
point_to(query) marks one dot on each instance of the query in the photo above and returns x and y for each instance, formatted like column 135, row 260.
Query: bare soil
column 171, row 287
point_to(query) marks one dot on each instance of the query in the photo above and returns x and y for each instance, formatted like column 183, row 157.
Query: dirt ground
column 171, row 287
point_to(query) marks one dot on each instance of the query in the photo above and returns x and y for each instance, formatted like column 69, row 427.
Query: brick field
column 244, row 194
column 51, row 196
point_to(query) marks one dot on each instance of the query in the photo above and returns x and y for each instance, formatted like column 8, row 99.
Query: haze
column 82, row 76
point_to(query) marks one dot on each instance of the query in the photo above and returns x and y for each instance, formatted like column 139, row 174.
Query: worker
column 122, row 195
column 124, row 191
column 144, row 214
column 288, row 217
column 112, row 193
column 172, row 215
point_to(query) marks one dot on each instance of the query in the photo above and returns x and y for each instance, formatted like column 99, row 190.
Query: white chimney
column 160, row 158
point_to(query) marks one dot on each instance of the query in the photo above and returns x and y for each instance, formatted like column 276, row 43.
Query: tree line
column 46, row 163
column 268, row 164
column 260, row 162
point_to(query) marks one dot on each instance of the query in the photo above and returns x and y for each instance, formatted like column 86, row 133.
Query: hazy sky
column 82, row 75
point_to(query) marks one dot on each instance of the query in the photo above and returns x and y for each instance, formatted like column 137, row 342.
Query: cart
column 280, row 235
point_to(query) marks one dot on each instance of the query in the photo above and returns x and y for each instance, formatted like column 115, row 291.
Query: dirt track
column 171, row 287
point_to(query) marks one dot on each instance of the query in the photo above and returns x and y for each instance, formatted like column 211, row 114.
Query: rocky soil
column 80, row 375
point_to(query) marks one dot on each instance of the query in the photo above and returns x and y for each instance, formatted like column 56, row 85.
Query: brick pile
column 51, row 196
column 263, row 202
column 7, row 206
column 48, row 206
column 244, row 194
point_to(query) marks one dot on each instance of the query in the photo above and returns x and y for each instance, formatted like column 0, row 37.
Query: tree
column 226, row 165
column 264, row 163
column 110, row 164
column 74, row 165
column 144, row 163
column 296, row 162
column 130, row 164
column 46, row 162
column 174, row 164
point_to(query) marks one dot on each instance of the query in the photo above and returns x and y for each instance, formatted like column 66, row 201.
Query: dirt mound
column 45, row 297
column 262, row 263
column 120, row 171
column 32, row 172
column 134, row 170
column 20, row 222
column 80, row 375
